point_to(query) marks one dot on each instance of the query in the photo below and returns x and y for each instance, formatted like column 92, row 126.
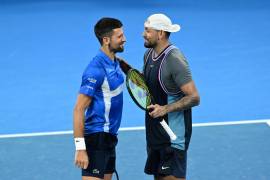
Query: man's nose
column 124, row 39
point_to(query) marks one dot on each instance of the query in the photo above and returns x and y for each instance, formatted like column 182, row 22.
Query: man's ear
column 161, row 33
column 106, row 40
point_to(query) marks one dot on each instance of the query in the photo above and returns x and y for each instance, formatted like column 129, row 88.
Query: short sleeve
column 91, row 81
column 179, row 68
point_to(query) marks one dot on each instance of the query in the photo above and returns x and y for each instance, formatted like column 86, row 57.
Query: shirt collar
column 106, row 58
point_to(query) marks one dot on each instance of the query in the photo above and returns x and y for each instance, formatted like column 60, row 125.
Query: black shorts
column 100, row 148
column 165, row 162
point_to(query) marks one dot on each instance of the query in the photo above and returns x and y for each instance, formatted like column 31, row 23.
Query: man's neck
column 161, row 46
column 109, row 53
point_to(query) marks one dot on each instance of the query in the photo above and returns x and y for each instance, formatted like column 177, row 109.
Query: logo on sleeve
column 92, row 80
column 89, row 87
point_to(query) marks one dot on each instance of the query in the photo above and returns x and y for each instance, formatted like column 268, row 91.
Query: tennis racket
column 141, row 95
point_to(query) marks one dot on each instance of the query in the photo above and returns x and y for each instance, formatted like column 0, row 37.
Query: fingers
column 156, row 111
column 85, row 164
column 82, row 164
column 153, row 110
column 81, row 159
column 153, row 114
column 151, row 107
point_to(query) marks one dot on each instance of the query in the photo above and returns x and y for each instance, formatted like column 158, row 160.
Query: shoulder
column 95, row 68
column 175, row 56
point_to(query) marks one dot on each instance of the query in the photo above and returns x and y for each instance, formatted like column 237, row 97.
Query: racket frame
column 163, row 122
column 129, row 88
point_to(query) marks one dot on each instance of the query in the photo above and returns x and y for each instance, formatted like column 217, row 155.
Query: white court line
column 35, row 134
column 132, row 128
column 231, row 123
column 136, row 128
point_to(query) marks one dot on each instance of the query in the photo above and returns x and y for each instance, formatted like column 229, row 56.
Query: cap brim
column 174, row 28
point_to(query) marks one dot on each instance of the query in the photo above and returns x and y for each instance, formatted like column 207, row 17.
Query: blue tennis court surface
column 45, row 45
column 236, row 152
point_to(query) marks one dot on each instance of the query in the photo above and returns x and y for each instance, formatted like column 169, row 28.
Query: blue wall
column 45, row 45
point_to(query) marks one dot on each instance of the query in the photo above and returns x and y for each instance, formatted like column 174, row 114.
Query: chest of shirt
column 114, row 77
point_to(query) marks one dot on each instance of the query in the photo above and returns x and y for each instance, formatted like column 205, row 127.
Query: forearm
column 81, row 157
column 78, row 123
column 185, row 103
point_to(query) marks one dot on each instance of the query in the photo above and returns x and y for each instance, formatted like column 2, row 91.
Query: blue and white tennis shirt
column 103, row 81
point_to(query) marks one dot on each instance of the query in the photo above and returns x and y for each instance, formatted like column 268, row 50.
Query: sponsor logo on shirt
column 95, row 171
column 89, row 87
column 92, row 80
column 163, row 168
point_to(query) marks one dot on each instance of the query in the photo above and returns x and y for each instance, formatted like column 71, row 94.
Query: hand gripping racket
column 141, row 95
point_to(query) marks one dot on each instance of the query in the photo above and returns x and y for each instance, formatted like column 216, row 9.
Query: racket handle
column 168, row 130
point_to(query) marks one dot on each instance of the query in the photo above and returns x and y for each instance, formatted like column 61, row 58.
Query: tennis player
column 98, row 110
column 169, row 79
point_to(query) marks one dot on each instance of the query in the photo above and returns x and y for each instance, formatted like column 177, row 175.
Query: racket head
column 138, row 89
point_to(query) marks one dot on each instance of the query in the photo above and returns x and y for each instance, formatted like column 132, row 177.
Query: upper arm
column 178, row 67
column 83, row 101
column 181, row 74
column 92, row 80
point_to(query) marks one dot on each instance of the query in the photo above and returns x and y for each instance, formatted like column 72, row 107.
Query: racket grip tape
column 168, row 130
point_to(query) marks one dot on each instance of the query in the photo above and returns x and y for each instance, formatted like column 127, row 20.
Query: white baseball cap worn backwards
column 161, row 22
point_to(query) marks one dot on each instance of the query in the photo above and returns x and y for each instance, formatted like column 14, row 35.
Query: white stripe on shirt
column 108, row 94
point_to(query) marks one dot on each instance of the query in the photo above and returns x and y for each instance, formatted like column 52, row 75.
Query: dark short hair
column 167, row 34
column 105, row 26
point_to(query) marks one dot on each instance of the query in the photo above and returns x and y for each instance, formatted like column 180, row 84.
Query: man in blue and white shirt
column 98, row 110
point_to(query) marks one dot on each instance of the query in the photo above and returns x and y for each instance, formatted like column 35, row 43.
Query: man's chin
column 147, row 45
column 119, row 50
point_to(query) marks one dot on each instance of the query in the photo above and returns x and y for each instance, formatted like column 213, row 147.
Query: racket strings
column 139, row 89
column 138, row 80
